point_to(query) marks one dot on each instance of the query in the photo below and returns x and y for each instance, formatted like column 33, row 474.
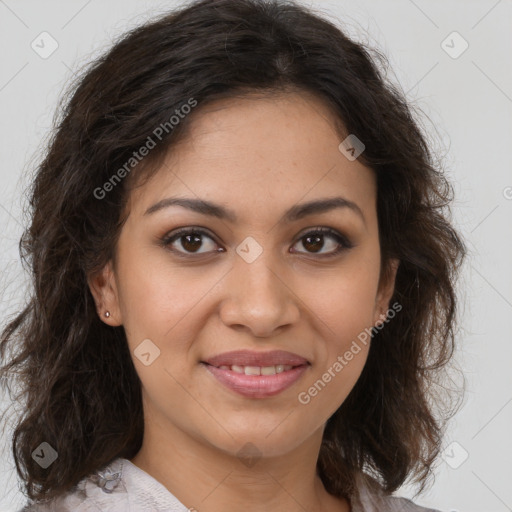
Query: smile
column 256, row 381
column 258, row 370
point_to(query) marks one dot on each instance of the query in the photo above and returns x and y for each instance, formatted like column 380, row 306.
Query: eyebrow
column 295, row 213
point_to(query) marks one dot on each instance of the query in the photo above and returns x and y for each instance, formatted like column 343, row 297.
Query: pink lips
column 251, row 358
column 257, row 386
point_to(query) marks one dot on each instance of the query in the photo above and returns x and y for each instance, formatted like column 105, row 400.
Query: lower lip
column 257, row 386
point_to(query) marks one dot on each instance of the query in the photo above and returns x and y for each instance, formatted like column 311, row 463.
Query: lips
column 257, row 374
column 261, row 359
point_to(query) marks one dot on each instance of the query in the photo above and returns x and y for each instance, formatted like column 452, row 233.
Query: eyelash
column 342, row 241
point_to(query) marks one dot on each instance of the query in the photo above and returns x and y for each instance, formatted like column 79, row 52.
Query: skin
column 258, row 157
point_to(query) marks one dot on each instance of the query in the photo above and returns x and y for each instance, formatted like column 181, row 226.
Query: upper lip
column 251, row 358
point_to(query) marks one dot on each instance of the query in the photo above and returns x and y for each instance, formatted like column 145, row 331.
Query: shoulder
column 369, row 497
column 395, row 504
column 118, row 487
column 92, row 493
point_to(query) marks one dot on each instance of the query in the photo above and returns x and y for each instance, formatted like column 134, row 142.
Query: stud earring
column 107, row 313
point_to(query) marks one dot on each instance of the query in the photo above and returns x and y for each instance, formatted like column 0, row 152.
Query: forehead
column 259, row 154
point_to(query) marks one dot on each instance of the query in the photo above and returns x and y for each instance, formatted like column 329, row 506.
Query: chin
column 254, row 445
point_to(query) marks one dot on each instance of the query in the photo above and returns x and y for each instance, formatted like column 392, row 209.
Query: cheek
column 155, row 297
column 345, row 304
column 157, row 304
column 345, row 299
column 345, row 309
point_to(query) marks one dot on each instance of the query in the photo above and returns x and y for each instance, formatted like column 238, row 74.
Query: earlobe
column 104, row 291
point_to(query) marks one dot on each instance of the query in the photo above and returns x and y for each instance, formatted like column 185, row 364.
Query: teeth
column 258, row 370
column 252, row 370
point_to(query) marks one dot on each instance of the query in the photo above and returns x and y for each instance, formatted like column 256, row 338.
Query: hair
column 78, row 385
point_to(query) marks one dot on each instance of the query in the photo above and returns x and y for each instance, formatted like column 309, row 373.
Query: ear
column 104, row 290
column 385, row 291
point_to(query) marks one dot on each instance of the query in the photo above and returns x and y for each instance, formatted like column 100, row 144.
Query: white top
column 124, row 487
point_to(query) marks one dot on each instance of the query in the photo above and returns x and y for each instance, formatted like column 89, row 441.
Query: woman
column 243, row 277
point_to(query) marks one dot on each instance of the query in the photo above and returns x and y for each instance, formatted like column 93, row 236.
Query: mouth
column 258, row 370
column 278, row 360
column 257, row 375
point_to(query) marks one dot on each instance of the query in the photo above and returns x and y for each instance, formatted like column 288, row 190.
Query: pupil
column 317, row 241
column 196, row 244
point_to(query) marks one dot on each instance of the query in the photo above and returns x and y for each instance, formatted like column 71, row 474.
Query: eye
column 190, row 240
column 314, row 241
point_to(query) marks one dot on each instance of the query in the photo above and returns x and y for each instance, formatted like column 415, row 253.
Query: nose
column 259, row 297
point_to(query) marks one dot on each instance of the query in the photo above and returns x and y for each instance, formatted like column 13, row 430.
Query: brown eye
column 192, row 242
column 325, row 242
column 315, row 241
column 189, row 241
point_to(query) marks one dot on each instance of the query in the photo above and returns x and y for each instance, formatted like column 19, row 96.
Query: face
column 267, row 275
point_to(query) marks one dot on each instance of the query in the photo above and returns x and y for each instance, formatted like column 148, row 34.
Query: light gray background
column 467, row 104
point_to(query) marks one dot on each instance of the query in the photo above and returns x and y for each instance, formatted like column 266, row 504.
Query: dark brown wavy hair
column 75, row 380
